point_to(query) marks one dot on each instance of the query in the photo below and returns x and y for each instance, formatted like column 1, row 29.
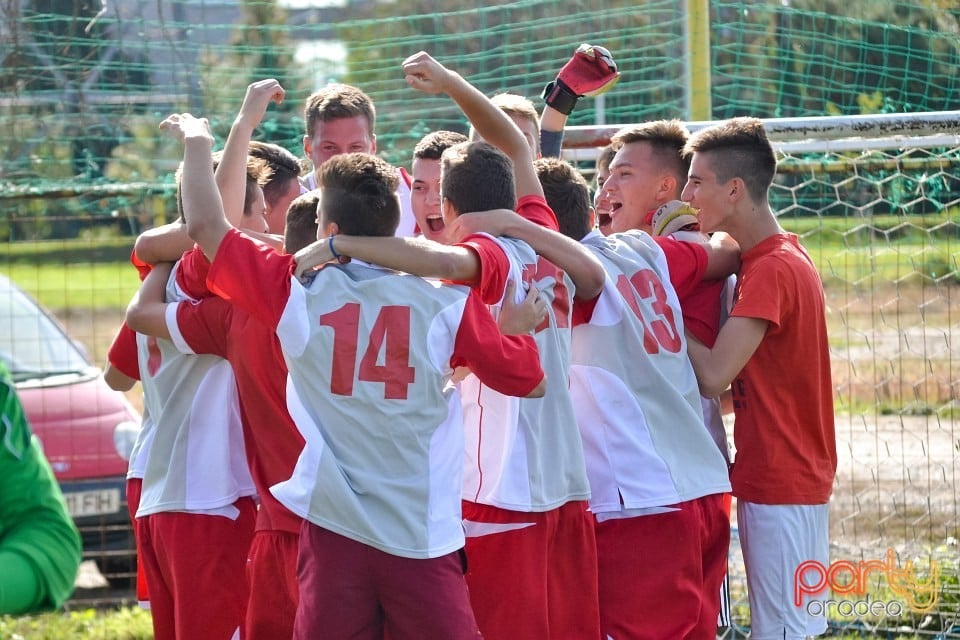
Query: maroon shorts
column 351, row 590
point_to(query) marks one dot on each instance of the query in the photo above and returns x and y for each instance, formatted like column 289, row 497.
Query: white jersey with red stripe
column 634, row 389
column 382, row 444
column 525, row 454
column 408, row 223
column 196, row 459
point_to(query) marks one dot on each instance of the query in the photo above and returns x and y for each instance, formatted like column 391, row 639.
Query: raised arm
column 232, row 171
column 202, row 207
column 429, row 76
column 590, row 72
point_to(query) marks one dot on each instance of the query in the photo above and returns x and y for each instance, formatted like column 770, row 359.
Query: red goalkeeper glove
column 590, row 72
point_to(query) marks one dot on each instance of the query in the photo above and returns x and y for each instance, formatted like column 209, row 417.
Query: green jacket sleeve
column 36, row 532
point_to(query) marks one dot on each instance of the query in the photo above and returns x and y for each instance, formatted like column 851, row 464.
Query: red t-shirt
column 783, row 397
column 699, row 298
column 123, row 353
column 272, row 441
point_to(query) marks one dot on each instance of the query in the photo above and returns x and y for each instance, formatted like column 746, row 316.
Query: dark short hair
column 284, row 166
column 666, row 138
column 359, row 194
column 336, row 101
column 567, row 193
column 738, row 148
column 605, row 157
column 432, row 145
column 476, row 176
column 301, row 226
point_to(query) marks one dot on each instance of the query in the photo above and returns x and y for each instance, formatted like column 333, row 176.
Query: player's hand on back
column 518, row 318
column 424, row 73
column 314, row 255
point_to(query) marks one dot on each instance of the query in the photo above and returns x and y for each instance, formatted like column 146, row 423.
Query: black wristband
column 559, row 96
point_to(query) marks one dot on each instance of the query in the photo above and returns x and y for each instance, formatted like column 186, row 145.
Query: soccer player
column 425, row 194
column 783, row 431
column 532, row 571
column 340, row 118
column 657, row 480
column 371, row 354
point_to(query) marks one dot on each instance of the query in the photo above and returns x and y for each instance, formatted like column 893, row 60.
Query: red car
column 87, row 429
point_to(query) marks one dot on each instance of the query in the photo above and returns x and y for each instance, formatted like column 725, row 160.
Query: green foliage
column 128, row 623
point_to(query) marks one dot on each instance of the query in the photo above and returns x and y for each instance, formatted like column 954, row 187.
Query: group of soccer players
column 448, row 404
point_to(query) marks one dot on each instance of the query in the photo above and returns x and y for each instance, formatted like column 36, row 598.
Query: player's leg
column 650, row 574
column 153, row 559
column 775, row 540
column 206, row 563
column 507, row 572
column 715, row 545
column 337, row 595
column 274, row 592
column 572, row 573
column 134, row 487
column 425, row 598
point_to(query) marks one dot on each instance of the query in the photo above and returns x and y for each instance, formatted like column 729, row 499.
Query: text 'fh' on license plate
column 93, row 503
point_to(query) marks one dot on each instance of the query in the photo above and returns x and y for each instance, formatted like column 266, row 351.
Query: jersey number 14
column 390, row 334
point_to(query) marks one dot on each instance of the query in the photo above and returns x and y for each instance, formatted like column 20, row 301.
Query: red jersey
column 783, row 397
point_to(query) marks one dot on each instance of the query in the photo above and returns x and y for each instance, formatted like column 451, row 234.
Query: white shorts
column 775, row 540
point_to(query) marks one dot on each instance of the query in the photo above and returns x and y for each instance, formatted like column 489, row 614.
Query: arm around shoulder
column 717, row 367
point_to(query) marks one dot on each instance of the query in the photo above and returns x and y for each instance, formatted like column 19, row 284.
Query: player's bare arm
column 203, row 209
column 146, row 312
column 723, row 256
column 232, row 171
column 417, row 256
column 571, row 256
column 425, row 74
column 116, row 379
column 717, row 367
column 165, row 243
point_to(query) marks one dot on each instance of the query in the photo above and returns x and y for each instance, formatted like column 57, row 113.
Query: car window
column 31, row 344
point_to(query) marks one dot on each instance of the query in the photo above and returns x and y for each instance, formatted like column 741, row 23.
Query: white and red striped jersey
column 525, row 454
column 196, row 460
column 635, row 392
column 371, row 353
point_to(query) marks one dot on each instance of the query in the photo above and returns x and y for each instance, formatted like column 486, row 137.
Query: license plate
column 93, row 503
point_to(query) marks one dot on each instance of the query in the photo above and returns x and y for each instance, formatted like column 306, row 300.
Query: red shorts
column 533, row 575
column 272, row 579
column 660, row 574
column 134, row 486
column 351, row 590
column 195, row 566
